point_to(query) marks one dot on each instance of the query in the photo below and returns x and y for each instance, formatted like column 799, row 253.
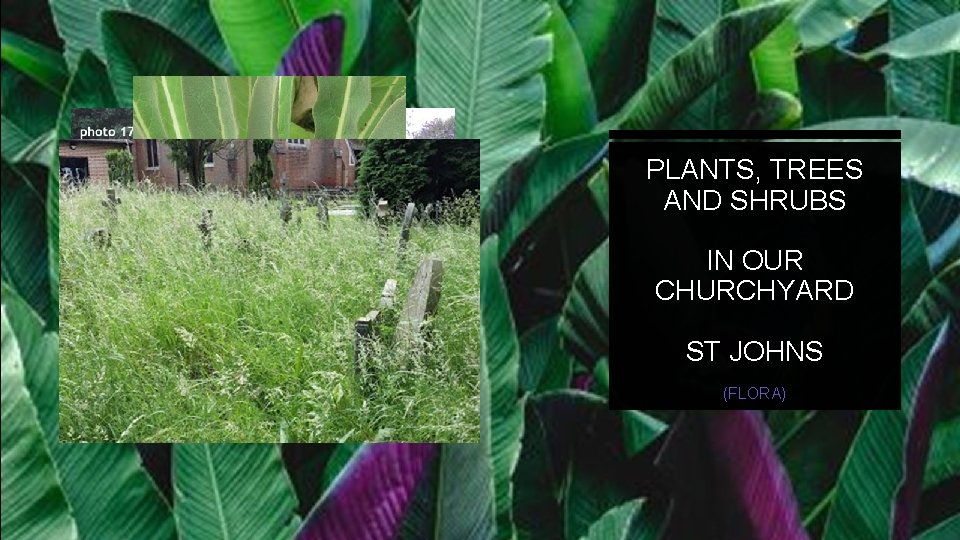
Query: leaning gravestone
column 422, row 299
column 206, row 227
column 323, row 215
column 405, row 228
column 388, row 294
column 111, row 202
column 363, row 336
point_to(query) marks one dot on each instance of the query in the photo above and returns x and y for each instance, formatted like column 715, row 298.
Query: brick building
column 85, row 159
column 308, row 163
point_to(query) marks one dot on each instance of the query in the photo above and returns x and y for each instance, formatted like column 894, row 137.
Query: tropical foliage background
column 538, row 82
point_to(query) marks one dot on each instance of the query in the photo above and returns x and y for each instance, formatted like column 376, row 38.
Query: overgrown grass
column 252, row 340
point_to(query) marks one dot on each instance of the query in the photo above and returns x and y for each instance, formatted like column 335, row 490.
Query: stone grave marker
column 286, row 211
column 206, row 227
column 323, row 215
column 111, row 202
column 383, row 208
column 364, row 334
column 422, row 299
column 405, row 228
column 388, row 294
column 427, row 213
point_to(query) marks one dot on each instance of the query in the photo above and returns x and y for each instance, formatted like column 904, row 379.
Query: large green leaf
column 25, row 238
column 687, row 74
column 464, row 494
column 43, row 65
column 212, row 107
column 109, row 492
column 483, row 57
column 501, row 409
column 722, row 103
column 608, row 33
column 586, row 314
column 458, row 501
column 774, row 66
column 571, row 109
column 339, row 459
column 34, row 505
column 927, row 86
column 939, row 214
column 29, row 110
column 544, row 365
column 625, row 522
column 389, row 26
column 943, row 461
column 862, row 94
column 914, row 268
column 939, row 36
column 558, row 173
column 111, row 495
column 78, row 23
column 574, row 466
column 88, row 87
column 948, row 529
column 360, row 107
column 233, row 491
column 929, row 151
column 258, row 33
column 823, row 21
column 938, row 298
column 128, row 55
column 874, row 463
column 38, row 352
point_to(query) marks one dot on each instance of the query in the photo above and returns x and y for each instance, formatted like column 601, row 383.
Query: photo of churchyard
column 269, row 290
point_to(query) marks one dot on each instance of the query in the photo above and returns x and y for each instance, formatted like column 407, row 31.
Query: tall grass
column 252, row 339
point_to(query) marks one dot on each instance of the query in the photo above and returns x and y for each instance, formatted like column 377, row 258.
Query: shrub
column 120, row 167
column 422, row 171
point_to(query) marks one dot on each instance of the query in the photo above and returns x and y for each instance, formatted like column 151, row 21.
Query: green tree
column 421, row 171
column 119, row 166
column 190, row 155
column 261, row 172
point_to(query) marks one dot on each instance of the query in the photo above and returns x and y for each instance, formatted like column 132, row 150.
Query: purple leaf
column 944, row 356
column 369, row 499
column 316, row 50
column 726, row 479
column 582, row 381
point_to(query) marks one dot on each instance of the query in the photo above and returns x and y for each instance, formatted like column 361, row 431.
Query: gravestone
column 206, row 227
column 383, row 210
column 405, row 228
column 111, row 201
column 422, row 299
column 323, row 215
column 427, row 213
column 286, row 211
column 388, row 294
column 100, row 238
column 364, row 334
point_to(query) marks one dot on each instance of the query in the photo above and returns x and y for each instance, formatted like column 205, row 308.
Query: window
column 296, row 143
column 153, row 156
column 208, row 162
